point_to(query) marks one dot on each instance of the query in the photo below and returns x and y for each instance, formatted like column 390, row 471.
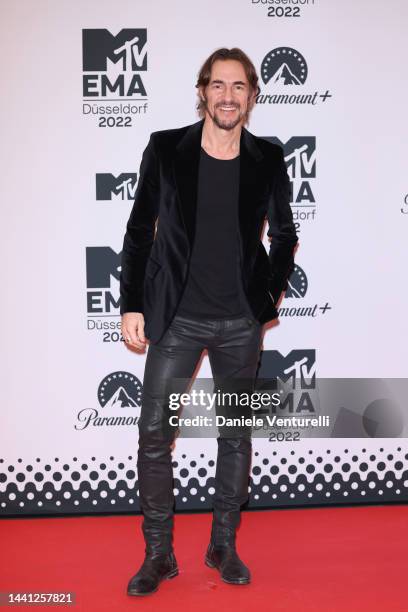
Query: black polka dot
column 300, row 481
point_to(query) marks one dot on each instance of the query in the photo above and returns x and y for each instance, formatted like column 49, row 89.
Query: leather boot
column 155, row 568
column 156, row 497
column 231, row 492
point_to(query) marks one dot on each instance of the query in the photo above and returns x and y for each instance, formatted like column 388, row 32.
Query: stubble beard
column 225, row 125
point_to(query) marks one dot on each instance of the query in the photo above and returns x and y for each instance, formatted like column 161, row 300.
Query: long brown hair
column 235, row 53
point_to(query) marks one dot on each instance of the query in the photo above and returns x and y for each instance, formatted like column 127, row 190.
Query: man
column 202, row 280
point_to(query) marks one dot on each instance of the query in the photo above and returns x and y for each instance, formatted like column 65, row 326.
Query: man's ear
column 251, row 100
column 201, row 93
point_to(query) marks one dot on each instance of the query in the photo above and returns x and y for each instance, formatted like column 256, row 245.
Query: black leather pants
column 233, row 349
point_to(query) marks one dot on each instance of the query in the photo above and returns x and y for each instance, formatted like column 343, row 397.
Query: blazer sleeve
column 139, row 234
column 281, row 230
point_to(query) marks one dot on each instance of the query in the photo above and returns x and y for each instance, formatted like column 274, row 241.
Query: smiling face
column 228, row 94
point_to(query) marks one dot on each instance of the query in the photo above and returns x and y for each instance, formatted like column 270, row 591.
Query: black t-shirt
column 214, row 286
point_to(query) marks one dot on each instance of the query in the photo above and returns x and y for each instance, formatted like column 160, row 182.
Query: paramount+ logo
column 284, row 72
column 296, row 291
column 119, row 397
column 114, row 70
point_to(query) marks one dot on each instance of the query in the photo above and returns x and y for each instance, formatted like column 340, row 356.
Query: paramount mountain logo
column 119, row 395
column 120, row 389
column 120, row 400
column 297, row 284
column 110, row 187
column 285, row 76
column 283, row 69
column 284, row 66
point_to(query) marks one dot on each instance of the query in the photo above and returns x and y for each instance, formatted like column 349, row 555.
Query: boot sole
column 168, row 576
column 239, row 581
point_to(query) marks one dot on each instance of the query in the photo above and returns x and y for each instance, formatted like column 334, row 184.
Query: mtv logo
column 110, row 187
column 298, row 366
column 102, row 263
column 127, row 50
column 300, row 155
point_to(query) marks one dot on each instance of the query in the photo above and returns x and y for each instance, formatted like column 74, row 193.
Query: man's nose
column 229, row 93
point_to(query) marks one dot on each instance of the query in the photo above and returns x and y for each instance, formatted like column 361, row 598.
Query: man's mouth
column 227, row 109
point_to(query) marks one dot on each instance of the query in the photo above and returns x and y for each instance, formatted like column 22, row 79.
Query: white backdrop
column 63, row 226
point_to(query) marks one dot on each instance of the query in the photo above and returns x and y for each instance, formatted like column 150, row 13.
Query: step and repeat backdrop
column 83, row 86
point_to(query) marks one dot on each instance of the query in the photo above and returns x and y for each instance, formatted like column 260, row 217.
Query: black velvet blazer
column 155, row 258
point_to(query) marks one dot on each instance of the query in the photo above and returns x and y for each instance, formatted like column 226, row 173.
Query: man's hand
column 133, row 329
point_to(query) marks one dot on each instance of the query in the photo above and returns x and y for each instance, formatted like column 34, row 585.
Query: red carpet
column 332, row 559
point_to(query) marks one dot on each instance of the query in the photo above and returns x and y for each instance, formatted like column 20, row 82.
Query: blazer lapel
column 186, row 167
column 249, row 181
